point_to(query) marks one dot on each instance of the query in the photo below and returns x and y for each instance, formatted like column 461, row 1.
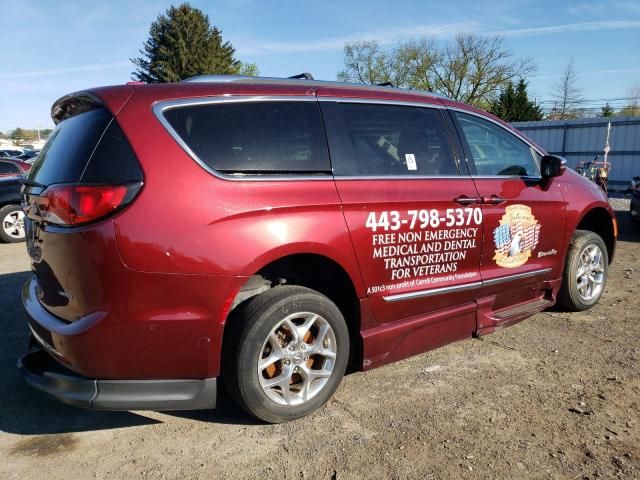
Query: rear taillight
column 71, row 205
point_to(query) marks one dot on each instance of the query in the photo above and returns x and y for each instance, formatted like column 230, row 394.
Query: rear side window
column 387, row 140
column 87, row 148
column 254, row 137
column 64, row 156
column 113, row 160
column 495, row 151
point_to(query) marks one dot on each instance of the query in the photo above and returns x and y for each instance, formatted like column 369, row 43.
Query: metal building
column 583, row 139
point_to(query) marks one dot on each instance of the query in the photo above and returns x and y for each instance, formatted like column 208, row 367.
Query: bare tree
column 472, row 68
column 566, row 95
column 365, row 62
column 632, row 108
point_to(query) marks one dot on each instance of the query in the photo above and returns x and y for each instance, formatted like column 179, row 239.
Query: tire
column 587, row 261
column 12, row 224
column 308, row 374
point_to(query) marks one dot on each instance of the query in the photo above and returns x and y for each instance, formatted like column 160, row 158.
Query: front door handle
column 493, row 200
column 464, row 200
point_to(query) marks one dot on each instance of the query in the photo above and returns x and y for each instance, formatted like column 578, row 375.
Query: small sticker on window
column 411, row 161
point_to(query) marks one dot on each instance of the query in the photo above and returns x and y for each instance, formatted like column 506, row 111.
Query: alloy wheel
column 13, row 224
column 590, row 273
column 297, row 358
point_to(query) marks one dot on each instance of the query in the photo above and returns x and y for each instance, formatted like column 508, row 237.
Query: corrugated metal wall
column 581, row 140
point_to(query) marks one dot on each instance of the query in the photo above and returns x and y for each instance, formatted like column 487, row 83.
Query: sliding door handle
column 464, row 200
column 493, row 200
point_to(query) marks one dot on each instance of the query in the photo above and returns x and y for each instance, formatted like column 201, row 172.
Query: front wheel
column 285, row 353
column 585, row 272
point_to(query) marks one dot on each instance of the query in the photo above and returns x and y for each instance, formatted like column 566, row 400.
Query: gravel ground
column 556, row 396
column 620, row 204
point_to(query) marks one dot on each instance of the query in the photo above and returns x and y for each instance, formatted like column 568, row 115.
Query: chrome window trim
column 462, row 287
column 402, row 177
column 380, row 101
column 439, row 177
column 159, row 107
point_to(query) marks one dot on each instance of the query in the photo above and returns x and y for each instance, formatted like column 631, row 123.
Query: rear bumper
column 45, row 374
column 156, row 326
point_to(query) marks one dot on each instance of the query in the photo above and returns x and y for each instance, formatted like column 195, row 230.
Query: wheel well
column 599, row 221
column 318, row 273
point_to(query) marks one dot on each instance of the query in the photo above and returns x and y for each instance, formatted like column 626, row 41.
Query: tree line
column 26, row 135
column 473, row 69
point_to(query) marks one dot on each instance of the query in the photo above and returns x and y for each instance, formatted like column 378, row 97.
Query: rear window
column 87, row 148
column 69, row 147
column 254, row 137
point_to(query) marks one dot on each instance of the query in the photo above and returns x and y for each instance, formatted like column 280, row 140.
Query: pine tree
column 513, row 104
column 607, row 110
column 182, row 44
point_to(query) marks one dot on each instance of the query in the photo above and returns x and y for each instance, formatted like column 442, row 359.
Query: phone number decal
column 422, row 219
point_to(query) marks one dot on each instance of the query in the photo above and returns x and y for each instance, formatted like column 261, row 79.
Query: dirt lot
column 556, row 396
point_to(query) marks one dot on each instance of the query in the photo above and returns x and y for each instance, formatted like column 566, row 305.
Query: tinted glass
column 495, row 151
column 6, row 167
column 387, row 140
column 261, row 137
column 69, row 148
column 113, row 160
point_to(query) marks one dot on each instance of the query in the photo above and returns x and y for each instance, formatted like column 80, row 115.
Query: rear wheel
column 585, row 272
column 286, row 353
column 12, row 228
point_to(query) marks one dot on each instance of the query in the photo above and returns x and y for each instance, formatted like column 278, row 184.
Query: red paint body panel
column 152, row 285
column 360, row 198
column 127, row 324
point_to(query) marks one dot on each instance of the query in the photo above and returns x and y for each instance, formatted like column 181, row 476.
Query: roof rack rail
column 215, row 78
column 303, row 76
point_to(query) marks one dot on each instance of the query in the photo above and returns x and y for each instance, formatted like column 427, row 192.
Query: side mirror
column 552, row 166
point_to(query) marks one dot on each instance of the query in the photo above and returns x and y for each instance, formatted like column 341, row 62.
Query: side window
column 387, row 140
column 495, row 151
column 254, row 137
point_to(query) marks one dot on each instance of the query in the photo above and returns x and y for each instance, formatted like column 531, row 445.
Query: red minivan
column 271, row 234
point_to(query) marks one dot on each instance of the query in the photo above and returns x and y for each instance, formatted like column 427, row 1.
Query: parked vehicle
column 11, row 214
column 29, row 155
column 13, row 166
column 634, row 205
column 274, row 233
column 10, row 153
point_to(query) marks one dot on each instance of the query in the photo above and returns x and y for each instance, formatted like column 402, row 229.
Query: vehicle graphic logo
column 516, row 236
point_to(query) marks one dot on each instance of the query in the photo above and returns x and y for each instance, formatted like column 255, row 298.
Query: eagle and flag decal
column 516, row 236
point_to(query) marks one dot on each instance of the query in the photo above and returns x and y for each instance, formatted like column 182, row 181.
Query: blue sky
column 52, row 47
